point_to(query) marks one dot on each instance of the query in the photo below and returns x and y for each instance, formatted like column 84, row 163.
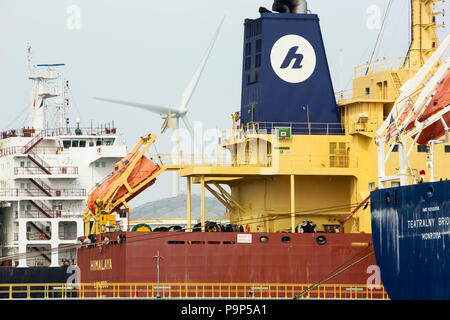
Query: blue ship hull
column 410, row 230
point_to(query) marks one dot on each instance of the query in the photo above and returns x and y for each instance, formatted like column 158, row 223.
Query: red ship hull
column 223, row 258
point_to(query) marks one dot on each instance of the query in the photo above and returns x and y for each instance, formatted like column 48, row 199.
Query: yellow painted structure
column 277, row 183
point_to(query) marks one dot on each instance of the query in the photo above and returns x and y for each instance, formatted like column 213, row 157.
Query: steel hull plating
column 56, row 276
column 221, row 258
column 410, row 229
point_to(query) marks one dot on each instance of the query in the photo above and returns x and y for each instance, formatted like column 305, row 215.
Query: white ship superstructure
column 46, row 175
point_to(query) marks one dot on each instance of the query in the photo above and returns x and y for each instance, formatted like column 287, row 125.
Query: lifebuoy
column 66, row 262
column 41, row 236
column 247, row 228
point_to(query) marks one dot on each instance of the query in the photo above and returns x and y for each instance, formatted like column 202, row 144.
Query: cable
column 379, row 34
column 331, row 277
column 21, row 113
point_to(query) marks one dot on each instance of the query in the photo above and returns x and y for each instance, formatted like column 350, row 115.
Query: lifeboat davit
column 143, row 169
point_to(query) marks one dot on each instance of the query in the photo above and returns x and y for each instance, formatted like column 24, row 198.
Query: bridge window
column 447, row 149
column 421, row 148
column 66, row 144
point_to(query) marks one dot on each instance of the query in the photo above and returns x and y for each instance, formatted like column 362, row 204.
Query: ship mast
column 424, row 39
column 42, row 76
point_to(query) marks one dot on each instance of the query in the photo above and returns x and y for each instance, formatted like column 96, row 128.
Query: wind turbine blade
column 148, row 107
column 188, row 126
column 165, row 125
column 194, row 81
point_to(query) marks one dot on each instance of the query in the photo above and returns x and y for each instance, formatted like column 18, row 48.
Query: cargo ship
column 294, row 172
column 47, row 171
column 411, row 222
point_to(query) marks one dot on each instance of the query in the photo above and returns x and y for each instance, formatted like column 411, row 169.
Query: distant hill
column 176, row 207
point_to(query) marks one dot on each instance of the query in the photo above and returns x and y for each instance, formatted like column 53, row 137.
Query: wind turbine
column 178, row 112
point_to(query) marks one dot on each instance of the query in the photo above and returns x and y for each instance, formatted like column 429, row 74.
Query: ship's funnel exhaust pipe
column 302, row 7
column 290, row 6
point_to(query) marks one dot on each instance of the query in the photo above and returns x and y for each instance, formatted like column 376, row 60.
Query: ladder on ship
column 396, row 81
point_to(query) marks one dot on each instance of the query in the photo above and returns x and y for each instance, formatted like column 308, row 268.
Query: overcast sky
column 147, row 51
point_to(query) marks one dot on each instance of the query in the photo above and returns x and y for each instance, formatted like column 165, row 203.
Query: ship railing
column 52, row 170
column 380, row 65
column 300, row 128
column 191, row 290
column 35, row 235
column 85, row 131
column 100, row 129
column 307, row 160
column 34, row 214
column 174, row 159
column 345, row 96
column 10, row 151
column 216, row 160
column 167, row 222
column 16, row 192
column 104, row 129
column 14, row 150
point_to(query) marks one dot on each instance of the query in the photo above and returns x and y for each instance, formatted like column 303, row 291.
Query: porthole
column 263, row 239
column 321, row 240
column 286, row 239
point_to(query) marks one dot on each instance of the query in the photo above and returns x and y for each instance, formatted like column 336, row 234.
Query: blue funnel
column 285, row 76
